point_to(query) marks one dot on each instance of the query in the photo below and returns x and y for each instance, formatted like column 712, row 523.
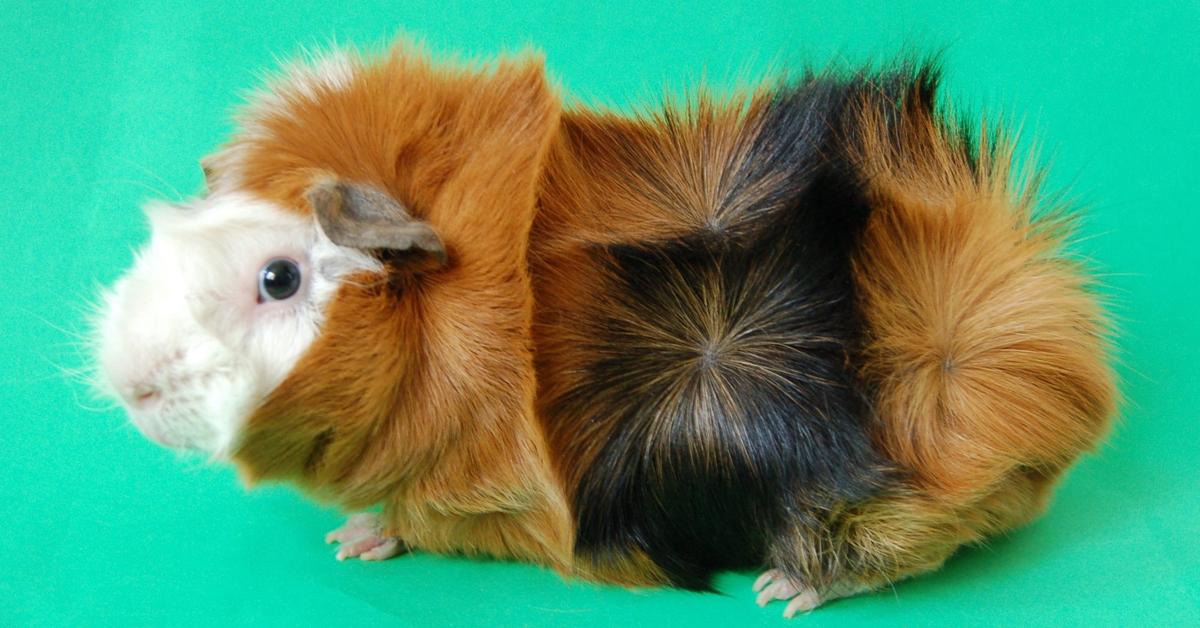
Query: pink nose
column 143, row 395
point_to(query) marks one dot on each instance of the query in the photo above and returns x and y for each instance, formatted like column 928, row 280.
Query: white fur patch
column 331, row 71
column 184, row 340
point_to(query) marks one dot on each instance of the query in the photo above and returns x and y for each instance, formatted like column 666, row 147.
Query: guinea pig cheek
column 278, row 331
column 171, row 375
column 260, row 340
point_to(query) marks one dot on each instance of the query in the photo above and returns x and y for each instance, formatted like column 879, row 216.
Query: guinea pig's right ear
column 208, row 167
column 213, row 166
column 364, row 217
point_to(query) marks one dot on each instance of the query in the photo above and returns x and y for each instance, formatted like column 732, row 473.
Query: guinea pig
column 815, row 329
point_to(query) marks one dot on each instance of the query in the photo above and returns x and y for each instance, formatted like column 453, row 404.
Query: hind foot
column 362, row 537
column 774, row 585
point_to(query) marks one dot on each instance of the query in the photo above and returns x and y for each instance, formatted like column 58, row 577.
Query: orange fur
column 984, row 345
column 419, row 392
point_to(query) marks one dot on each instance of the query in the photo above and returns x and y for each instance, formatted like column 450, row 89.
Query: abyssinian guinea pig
column 819, row 329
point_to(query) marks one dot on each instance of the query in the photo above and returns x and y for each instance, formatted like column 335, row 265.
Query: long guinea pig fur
column 815, row 329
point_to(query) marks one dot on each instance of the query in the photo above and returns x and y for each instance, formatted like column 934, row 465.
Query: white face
column 219, row 306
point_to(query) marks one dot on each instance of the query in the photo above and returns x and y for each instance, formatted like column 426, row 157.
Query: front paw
column 362, row 537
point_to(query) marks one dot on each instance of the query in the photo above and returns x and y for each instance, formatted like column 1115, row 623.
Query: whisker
column 72, row 333
column 145, row 187
column 178, row 196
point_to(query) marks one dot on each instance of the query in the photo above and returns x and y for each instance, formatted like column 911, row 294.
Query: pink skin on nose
column 145, row 395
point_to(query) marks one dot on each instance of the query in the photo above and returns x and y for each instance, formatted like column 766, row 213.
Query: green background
column 105, row 105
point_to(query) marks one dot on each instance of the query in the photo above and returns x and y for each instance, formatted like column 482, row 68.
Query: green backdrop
column 102, row 106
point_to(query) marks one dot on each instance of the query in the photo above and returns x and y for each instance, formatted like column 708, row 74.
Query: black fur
column 724, row 361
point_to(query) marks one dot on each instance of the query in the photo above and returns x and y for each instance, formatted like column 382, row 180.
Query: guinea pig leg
column 362, row 536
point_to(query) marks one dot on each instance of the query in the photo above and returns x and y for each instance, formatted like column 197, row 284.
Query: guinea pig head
column 215, row 312
column 348, row 307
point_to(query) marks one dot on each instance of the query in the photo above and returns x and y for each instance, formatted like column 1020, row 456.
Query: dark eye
column 278, row 280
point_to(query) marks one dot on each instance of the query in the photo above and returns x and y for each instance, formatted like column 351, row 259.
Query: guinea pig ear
column 208, row 165
column 211, row 168
column 365, row 217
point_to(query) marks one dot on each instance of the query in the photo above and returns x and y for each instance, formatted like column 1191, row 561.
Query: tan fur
column 419, row 392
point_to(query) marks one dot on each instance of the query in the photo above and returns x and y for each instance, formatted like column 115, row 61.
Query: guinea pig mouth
column 155, row 431
column 151, row 432
column 161, row 419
